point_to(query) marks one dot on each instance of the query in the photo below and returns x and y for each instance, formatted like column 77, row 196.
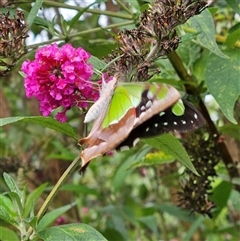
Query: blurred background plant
column 131, row 195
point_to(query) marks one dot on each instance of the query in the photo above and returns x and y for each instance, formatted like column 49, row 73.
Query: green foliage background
column 130, row 195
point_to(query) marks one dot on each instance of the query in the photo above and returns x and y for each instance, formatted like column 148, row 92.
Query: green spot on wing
column 178, row 108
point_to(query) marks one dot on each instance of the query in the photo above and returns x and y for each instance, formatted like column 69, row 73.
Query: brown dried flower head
column 13, row 32
column 154, row 38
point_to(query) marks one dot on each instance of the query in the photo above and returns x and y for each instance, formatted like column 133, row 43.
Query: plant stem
column 71, row 36
column 89, row 10
column 55, row 190
column 190, row 89
column 163, row 226
column 123, row 6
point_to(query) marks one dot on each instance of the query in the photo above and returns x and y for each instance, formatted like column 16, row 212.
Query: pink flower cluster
column 59, row 77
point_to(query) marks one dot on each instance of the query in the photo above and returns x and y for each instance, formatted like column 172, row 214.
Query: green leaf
column 124, row 170
column 233, row 37
column 71, row 232
column 175, row 212
column 32, row 221
column 235, row 199
column 110, row 232
column 195, row 225
column 234, row 4
column 97, row 63
column 61, row 152
column 82, row 189
column 33, row 13
column 32, row 197
column 8, row 234
column 170, row 145
column 121, row 172
column 231, row 130
column 150, row 222
column 116, row 219
column 154, row 158
column 74, row 20
column 6, row 202
column 204, row 25
column 6, row 10
column 41, row 22
column 222, row 79
column 213, row 10
column 17, row 202
column 78, row 15
column 48, row 122
column 234, row 28
column 12, row 185
column 4, row 215
column 199, row 68
column 173, row 82
column 219, row 199
column 63, row 24
column 50, row 217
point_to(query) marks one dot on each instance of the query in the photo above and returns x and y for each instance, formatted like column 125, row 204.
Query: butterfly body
column 101, row 105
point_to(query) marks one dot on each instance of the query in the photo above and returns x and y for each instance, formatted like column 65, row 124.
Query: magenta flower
column 59, row 77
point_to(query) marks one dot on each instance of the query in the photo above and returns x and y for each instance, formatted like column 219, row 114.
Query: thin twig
column 128, row 10
column 55, row 190
column 78, row 34
column 89, row 10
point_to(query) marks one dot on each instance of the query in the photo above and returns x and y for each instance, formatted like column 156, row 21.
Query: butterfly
column 127, row 111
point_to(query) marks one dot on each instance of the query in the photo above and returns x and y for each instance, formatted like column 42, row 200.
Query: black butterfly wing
column 165, row 122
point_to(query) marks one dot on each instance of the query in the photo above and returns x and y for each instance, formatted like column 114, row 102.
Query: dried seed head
column 9, row 164
column 154, row 38
column 13, row 32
